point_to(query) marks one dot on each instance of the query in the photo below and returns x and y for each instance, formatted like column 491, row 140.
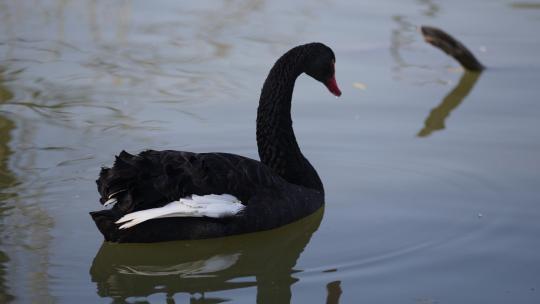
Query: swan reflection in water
column 264, row 260
column 438, row 115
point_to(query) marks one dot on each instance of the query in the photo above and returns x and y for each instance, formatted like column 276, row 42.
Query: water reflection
column 437, row 116
column 525, row 5
column 432, row 8
column 401, row 38
column 24, row 225
column 405, row 35
column 7, row 179
column 263, row 260
column 333, row 290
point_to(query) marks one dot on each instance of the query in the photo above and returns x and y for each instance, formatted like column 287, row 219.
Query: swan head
column 320, row 64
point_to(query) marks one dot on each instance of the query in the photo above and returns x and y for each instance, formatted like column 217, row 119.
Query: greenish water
column 431, row 174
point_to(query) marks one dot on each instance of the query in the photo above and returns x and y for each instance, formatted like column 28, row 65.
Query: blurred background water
column 431, row 174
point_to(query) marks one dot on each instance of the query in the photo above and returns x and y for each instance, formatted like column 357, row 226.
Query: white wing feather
column 211, row 205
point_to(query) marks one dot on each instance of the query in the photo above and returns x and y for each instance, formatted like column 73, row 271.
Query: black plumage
column 280, row 189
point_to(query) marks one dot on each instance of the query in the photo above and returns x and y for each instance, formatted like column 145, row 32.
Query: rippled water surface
column 432, row 175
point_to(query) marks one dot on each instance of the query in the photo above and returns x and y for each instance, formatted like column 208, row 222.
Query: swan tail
column 129, row 183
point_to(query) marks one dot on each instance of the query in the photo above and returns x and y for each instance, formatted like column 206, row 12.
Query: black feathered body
column 155, row 178
column 280, row 189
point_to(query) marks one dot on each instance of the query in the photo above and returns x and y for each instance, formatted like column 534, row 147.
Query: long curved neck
column 276, row 142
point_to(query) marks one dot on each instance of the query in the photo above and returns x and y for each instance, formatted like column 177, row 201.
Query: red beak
column 332, row 86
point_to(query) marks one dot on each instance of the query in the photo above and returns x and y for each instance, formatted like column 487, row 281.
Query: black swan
column 175, row 195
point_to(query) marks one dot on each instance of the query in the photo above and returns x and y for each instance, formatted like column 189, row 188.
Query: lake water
column 432, row 175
